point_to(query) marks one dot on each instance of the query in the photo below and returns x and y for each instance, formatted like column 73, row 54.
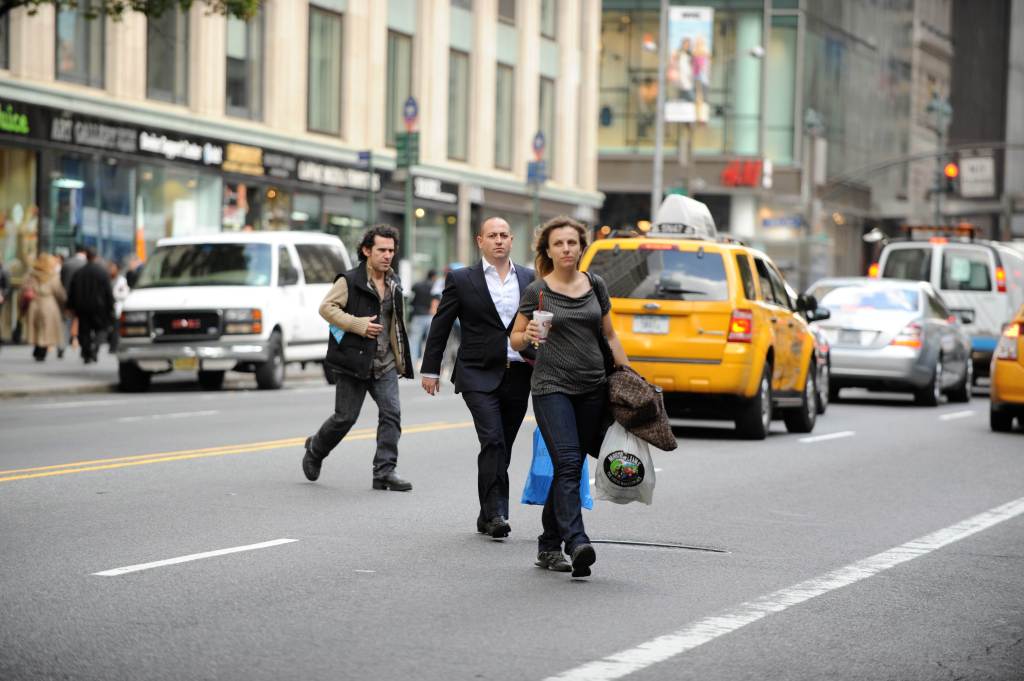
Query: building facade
column 117, row 133
column 811, row 111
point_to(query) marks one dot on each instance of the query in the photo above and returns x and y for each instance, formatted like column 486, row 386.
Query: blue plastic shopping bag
column 542, row 472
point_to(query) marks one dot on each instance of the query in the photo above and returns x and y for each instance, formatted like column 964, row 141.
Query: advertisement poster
column 688, row 71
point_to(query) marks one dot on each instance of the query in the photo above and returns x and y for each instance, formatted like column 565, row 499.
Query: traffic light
column 950, row 173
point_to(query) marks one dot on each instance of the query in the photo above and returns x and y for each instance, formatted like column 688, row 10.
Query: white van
column 982, row 282
column 245, row 301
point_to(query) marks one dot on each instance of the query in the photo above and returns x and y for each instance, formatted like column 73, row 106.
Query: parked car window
column 287, row 273
column 217, row 264
column 320, row 263
column 908, row 263
column 852, row 298
column 965, row 269
column 662, row 274
column 767, row 290
column 746, row 276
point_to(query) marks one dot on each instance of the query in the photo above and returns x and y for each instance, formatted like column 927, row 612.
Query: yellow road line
column 183, row 455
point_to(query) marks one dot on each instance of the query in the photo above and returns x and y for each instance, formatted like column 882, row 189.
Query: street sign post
column 408, row 147
column 977, row 176
column 538, row 145
column 537, row 174
column 366, row 160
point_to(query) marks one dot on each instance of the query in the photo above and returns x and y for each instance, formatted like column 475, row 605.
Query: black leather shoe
column 552, row 560
column 481, row 526
column 498, row 527
column 583, row 557
column 311, row 464
column 392, row 482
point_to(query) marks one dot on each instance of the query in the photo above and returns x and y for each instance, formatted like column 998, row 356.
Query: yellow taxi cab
column 1007, row 392
column 710, row 321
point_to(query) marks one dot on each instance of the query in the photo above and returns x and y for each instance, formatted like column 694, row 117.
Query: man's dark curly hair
column 383, row 231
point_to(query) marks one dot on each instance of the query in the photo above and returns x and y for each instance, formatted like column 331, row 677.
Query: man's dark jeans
column 571, row 428
column 497, row 416
column 349, row 395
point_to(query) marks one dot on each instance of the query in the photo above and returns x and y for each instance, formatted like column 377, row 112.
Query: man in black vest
column 368, row 349
column 493, row 378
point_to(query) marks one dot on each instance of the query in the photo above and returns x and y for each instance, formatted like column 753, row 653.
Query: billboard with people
column 688, row 71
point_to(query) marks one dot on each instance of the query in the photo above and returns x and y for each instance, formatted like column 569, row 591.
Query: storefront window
column 176, row 202
column 324, row 71
column 245, row 67
column 399, row 83
column 19, row 213
column 781, row 86
column 458, row 105
column 436, row 241
column 349, row 229
column 79, row 44
column 504, row 111
column 306, row 212
column 167, row 57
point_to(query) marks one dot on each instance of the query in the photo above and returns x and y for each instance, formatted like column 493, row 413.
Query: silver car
column 894, row 336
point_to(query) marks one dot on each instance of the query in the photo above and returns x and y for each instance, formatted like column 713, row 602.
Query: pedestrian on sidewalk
column 5, row 294
column 43, row 297
column 68, row 269
column 368, row 349
column 569, row 381
column 493, row 378
column 424, row 304
column 91, row 300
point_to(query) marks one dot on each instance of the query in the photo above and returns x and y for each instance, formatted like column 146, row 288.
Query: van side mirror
column 287, row 276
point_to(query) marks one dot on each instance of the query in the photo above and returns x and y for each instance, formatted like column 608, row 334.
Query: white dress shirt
column 505, row 294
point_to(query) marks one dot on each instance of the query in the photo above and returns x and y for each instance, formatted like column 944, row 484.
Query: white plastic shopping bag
column 624, row 471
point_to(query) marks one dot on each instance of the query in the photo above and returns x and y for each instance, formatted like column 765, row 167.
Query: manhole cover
column 658, row 545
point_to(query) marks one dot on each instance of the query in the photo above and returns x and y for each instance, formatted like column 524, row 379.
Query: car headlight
column 135, row 317
column 243, row 321
column 134, row 323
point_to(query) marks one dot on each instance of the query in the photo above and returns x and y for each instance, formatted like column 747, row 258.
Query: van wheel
column 961, row 392
column 211, row 380
column 132, row 379
column 802, row 419
column 329, row 374
column 755, row 418
column 270, row 374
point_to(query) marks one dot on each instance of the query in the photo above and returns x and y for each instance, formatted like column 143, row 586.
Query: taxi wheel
column 270, row 374
column 132, row 379
column 211, row 380
column 802, row 419
column 999, row 421
column 755, row 417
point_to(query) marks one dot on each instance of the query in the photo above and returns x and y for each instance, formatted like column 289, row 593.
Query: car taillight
column 909, row 337
column 1007, row 347
column 1000, row 279
column 741, row 326
column 873, row 270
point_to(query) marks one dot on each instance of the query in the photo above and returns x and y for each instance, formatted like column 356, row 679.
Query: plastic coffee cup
column 543, row 318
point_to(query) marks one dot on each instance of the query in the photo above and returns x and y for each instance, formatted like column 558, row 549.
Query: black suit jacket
column 480, row 363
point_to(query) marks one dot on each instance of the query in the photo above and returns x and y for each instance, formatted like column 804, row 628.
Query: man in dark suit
column 493, row 378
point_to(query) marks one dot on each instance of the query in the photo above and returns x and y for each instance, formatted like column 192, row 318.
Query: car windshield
column 207, row 265
column 662, row 274
column 853, row 298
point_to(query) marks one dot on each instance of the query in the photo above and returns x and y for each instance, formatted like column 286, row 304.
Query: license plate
column 650, row 324
column 849, row 337
column 186, row 363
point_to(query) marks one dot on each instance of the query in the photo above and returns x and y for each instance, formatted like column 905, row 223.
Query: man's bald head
column 494, row 239
column 493, row 222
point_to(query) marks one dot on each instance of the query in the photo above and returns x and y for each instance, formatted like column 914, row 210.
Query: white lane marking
column 174, row 415
column 657, row 470
column 195, row 556
column 366, row 572
column 828, row 436
column 957, row 415
column 81, row 403
column 665, row 647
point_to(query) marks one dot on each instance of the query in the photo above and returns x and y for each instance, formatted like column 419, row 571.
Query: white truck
column 244, row 301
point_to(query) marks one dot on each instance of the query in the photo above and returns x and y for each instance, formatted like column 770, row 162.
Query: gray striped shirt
column 570, row 362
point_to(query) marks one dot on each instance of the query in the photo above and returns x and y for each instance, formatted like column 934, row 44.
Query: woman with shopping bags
column 569, row 380
column 43, row 297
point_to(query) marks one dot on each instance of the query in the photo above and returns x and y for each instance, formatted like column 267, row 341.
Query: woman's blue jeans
column 571, row 426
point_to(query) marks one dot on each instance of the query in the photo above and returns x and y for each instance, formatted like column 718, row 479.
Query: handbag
column 625, row 470
column 639, row 407
column 28, row 294
column 542, row 473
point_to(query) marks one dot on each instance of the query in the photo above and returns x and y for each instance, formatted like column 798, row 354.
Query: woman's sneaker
column 583, row 557
column 552, row 560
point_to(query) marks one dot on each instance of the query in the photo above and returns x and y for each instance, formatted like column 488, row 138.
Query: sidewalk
column 22, row 376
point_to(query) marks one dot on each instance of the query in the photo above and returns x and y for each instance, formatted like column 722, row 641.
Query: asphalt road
column 887, row 545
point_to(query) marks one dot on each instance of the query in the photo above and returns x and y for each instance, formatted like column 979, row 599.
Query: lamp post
column 659, row 121
column 940, row 108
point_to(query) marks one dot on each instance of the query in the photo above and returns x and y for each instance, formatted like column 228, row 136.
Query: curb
column 101, row 388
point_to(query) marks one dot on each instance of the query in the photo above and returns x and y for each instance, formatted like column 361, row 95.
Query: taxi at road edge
column 710, row 322
column 1007, row 392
